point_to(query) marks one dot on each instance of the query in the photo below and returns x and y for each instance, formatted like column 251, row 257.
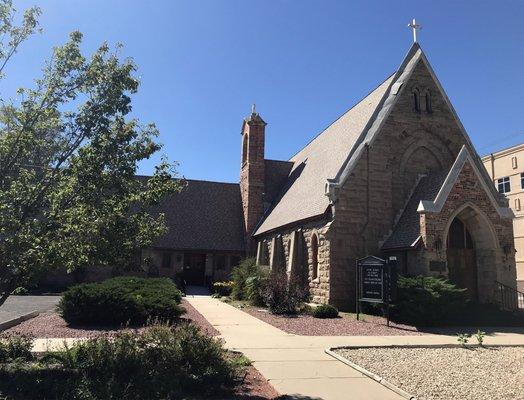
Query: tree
column 69, row 151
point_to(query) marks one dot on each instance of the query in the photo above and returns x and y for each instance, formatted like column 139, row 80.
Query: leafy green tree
column 69, row 151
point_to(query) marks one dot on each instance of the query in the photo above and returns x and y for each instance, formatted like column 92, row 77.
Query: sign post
column 376, row 282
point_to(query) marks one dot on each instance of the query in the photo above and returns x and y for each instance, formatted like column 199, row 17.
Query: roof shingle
column 203, row 216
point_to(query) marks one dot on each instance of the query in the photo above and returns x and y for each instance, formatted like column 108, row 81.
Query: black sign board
column 372, row 281
column 376, row 281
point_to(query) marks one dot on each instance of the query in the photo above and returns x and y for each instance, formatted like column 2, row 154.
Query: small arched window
column 416, row 100
column 429, row 108
column 314, row 256
column 245, row 140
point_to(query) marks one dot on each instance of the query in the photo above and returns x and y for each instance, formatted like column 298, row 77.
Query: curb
column 375, row 377
column 18, row 320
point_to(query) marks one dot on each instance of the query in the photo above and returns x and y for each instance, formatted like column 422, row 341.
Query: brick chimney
column 252, row 174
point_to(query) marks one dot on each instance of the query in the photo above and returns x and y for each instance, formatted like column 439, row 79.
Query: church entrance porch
column 461, row 259
column 471, row 252
column 195, row 269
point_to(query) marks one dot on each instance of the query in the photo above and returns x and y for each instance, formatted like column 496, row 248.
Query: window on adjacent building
column 514, row 162
column 503, row 185
column 522, row 181
column 314, row 256
column 166, row 260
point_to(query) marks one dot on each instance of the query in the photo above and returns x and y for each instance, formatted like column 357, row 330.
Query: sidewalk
column 298, row 366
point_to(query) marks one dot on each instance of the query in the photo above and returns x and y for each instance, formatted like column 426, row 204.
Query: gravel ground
column 307, row 325
column 494, row 373
column 52, row 325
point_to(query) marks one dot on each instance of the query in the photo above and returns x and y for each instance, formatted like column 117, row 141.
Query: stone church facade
column 396, row 175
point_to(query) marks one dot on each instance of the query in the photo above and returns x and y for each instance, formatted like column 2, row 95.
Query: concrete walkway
column 298, row 366
column 16, row 306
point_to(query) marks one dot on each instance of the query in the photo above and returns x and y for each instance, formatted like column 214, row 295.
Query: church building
column 396, row 175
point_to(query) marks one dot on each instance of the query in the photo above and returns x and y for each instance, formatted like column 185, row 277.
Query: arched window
column 245, row 140
column 416, row 100
column 428, row 102
column 314, row 256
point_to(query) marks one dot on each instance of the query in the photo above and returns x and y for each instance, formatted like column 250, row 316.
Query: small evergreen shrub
column 162, row 363
column 281, row 296
column 223, row 288
column 325, row 311
column 121, row 300
column 428, row 301
column 239, row 276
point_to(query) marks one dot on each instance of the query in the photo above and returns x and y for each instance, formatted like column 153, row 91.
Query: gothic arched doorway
column 472, row 252
column 462, row 268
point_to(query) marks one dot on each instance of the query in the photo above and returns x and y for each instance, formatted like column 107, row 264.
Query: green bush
column 427, row 301
column 15, row 348
column 121, row 300
column 239, row 275
column 281, row 296
column 223, row 288
column 256, row 286
column 325, row 311
column 162, row 363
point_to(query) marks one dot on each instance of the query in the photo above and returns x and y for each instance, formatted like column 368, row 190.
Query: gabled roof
column 304, row 196
column 430, row 196
column 325, row 164
column 436, row 204
column 203, row 216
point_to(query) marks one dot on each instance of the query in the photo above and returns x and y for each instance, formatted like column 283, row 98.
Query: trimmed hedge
column 325, row 311
column 428, row 301
column 121, row 300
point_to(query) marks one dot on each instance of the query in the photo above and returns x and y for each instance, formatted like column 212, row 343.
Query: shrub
column 256, row 287
column 427, row 301
column 223, row 288
column 281, row 296
column 163, row 363
column 325, row 311
column 121, row 300
column 239, row 275
column 15, row 348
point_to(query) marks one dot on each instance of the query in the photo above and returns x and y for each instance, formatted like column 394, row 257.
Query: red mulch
column 307, row 325
column 52, row 325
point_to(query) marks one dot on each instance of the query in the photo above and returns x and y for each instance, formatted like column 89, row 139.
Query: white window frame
column 504, row 185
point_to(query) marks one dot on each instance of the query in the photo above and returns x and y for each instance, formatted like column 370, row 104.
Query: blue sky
column 202, row 63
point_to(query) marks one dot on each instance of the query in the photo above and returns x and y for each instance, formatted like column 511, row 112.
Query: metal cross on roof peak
column 416, row 27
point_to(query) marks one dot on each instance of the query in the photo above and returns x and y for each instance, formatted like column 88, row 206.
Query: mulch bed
column 347, row 325
column 52, row 325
